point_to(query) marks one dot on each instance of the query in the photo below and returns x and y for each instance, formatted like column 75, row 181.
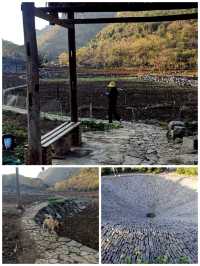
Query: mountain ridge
column 53, row 175
column 26, row 183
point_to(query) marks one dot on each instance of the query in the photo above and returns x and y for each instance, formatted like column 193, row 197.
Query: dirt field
column 17, row 247
column 138, row 99
column 83, row 228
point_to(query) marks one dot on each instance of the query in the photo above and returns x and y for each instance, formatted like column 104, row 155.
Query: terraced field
column 148, row 218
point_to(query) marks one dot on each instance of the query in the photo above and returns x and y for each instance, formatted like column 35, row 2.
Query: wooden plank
column 33, row 95
column 45, row 145
column 117, row 7
column 72, row 71
column 132, row 19
column 51, row 18
column 55, row 130
column 56, row 133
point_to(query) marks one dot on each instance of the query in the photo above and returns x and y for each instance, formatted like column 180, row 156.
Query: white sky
column 11, row 20
column 11, row 17
column 29, row 171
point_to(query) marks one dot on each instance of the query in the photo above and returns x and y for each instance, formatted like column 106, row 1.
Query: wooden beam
column 132, row 19
column 33, row 96
column 65, row 7
column 72, row 70
column 51, row 18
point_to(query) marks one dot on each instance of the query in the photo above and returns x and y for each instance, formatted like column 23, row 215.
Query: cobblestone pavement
column 53, row 249
column 126, row 229
column 135, row 143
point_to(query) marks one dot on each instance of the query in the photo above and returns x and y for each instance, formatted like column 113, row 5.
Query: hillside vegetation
column 52, row 40
column 52, row 175
column 161, row 46
column 155, row 46
column 86, row 180
column 187, row 171
column 9, row 181
column 12, row 50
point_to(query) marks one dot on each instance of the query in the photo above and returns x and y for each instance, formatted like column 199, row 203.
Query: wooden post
column 72, row 70
column 19, row 204
column 33, row 98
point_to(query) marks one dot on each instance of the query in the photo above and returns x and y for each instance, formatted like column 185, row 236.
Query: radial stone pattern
column 147, row 217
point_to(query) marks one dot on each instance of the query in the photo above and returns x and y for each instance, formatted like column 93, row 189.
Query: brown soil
column 17, row 247
column 83, row 227
column 150, row 100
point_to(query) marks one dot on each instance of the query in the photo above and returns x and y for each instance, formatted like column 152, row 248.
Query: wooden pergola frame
column 51, row 14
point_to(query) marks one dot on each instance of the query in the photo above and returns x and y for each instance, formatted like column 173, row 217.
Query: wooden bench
column 57, row 142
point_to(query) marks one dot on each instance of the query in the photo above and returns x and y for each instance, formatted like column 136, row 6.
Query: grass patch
column 163, row 259
column 55, row 200
column 91, row 79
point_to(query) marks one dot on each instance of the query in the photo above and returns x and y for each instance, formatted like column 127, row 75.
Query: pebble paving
column 126, row 230
column 52, row 249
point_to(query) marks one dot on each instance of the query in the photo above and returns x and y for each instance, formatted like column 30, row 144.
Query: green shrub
column 163, row 259
column 55, row 200
column 190, row 171
column 106, row 171
column 121, row 170
column 184, row 260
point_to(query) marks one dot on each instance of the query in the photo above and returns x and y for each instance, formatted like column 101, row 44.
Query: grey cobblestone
column 125, row 228
column 134, row 143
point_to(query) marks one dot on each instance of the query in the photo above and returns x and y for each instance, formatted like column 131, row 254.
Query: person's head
column 112, row 84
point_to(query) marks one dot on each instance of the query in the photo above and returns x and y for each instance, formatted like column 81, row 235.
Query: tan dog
column 51, row 224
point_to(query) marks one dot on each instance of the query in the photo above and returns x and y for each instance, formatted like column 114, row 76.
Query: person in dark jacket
column 112, row 101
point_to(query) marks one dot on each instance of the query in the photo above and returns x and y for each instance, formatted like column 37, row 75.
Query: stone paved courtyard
column 134, row 143
column 52, row 249
column 127, row 232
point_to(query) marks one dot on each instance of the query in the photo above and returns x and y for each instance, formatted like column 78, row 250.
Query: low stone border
column 54, row 249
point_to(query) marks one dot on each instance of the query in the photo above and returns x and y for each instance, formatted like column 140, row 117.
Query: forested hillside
column 158, row 46
column 53, row 40
column 166, row 45
column 87, row 179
